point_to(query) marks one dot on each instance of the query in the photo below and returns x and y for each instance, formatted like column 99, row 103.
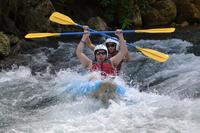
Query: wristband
column 83, row 42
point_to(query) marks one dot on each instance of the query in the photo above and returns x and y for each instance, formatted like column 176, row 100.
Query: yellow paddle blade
column 41, row 35
column 158, row 30
column 155, row 55
column 61, row 19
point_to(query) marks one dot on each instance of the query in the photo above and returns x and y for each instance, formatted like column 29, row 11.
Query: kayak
column 85, row 88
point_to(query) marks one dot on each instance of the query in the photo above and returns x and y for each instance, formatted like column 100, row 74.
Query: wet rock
column 97, row 23
column 4, row 45
column 188, row 10
column 24, row 46
column 21, row 16
column 194, row 49
column 63, row 57
column 184, row 24
column 159, row 13
column 13, row 39
column 17, row 60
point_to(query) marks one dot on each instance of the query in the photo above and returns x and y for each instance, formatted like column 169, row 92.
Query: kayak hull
column 85, row 88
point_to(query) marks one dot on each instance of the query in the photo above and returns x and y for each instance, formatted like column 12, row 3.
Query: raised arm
column 85, row 61
column 127, row 56
column 115, row 60
column 88, row 42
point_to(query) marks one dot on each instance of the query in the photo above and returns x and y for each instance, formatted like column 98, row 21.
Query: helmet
column 113, row 40
column 101, row 47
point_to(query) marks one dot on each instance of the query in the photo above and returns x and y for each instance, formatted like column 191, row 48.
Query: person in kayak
column 107, row 66
column 103, row 64
column 113, row 47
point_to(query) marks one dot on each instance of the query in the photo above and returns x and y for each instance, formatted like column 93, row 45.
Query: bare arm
column 127, row 56
column 115, row 60
column 85, row 61
column 90, row 44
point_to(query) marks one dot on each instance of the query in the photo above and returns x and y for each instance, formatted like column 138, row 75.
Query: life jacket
column 119, row 66
column 105, row 67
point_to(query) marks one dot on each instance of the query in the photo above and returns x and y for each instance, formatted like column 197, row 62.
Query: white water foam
column 136, row 112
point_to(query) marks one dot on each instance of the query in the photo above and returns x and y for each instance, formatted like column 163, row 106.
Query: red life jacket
column 105, row 67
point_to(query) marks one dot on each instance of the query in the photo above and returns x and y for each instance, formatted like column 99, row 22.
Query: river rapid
column 160, row 97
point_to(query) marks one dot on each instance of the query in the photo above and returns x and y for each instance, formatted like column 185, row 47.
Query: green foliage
column 126, row 13
column 107, row 3
column 127, row 23
column 110, row 8
column 143, row 4
column 117, row 13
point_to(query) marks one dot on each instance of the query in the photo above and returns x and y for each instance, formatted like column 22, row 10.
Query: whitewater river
column 169, row 101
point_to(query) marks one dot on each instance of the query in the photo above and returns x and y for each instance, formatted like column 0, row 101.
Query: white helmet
column 101, row 47
column 113, row 40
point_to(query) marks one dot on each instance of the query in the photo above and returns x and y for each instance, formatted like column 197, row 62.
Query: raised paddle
column 41, row 35
column 65, row 20
column 153, row 54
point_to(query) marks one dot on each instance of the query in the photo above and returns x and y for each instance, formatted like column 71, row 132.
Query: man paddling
column 107, row 66
column 113, row 47
column 104, row 64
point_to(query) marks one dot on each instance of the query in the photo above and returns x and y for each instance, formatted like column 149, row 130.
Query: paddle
column 153, row 54
column 65, row 20
column 41, row 35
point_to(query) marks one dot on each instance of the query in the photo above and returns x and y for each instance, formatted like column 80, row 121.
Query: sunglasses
column 101, row 53
column 110, row 45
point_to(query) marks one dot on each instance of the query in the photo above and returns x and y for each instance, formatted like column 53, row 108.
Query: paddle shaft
column 95, row 33
column 40, row 35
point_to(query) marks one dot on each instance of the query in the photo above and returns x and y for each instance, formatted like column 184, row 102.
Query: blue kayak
column 84, row 88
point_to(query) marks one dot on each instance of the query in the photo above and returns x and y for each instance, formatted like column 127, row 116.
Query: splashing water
column 36, row 103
